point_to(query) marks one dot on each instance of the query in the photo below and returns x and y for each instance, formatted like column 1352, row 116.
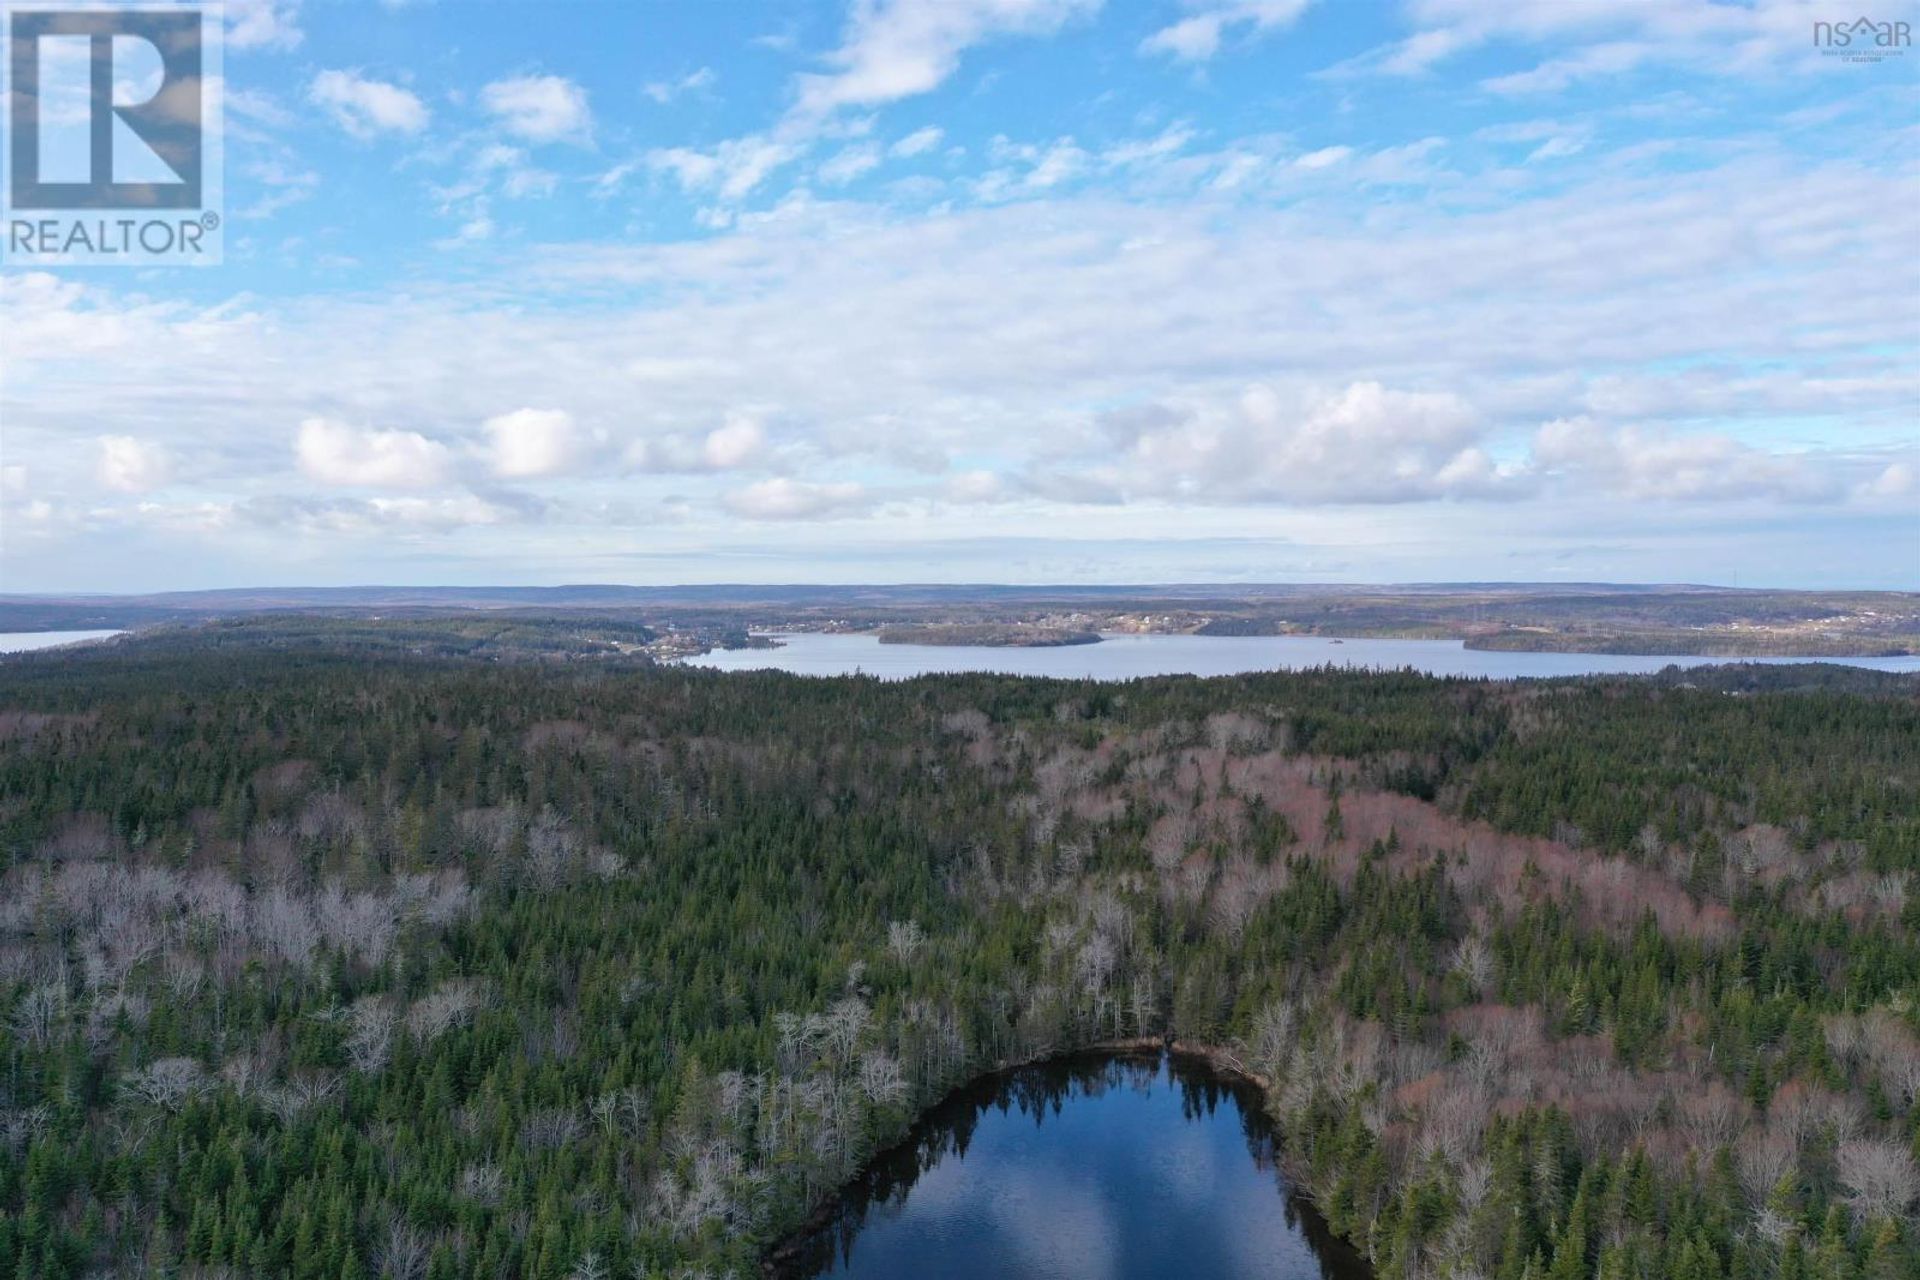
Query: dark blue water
column 1086, row 1169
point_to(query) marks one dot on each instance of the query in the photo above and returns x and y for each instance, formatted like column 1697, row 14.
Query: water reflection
column 1097, row 1168
column 1119, row 657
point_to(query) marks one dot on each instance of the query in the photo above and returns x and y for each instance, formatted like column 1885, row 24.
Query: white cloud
column 1599, row 38
column 665, row 91
column 1197, row 38
column 1323, row 158
column 895, row 49
column 850, row 164
column 1633, row 462
column 332, row 452
column 128, row 465
column 734, row 444
column 1753, row 296
column 1549, row 139
column 253, row 106
column 529, row 443
column 1168, row 142
column 738, row 442
column 359, row 517
column 731, row 170
column 285, row 186
column 1060, row 163
column 1557, row 148
column 263, row 24
column 475, row 230
column 1364, row 444
column 1896, row 480
column 540, row 108
column 365, row 107
column 975, row 487
column 785, row 499
column 892, row 49
column 918, row 142
column 1054, row 165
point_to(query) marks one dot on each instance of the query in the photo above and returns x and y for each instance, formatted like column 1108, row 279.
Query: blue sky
column 1021, row 290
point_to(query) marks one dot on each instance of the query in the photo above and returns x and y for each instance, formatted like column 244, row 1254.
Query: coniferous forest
column 336, row 961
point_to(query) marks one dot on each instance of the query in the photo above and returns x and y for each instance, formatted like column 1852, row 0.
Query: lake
column 22, row 641
column 1089, row 1168
column 1124, row 657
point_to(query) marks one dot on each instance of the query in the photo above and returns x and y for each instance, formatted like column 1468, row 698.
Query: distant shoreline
column 987, row 635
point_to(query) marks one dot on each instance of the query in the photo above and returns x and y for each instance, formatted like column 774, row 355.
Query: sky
column 1007, row 291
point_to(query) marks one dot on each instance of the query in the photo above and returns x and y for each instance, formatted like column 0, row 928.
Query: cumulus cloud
column 786, row 499
column 1364, row 444
column 735, row 444
column 539, row 108
column 338, row 453
column 129, row 465
column 1259, row 336
column 365, row 107
column 1632, row 462
column 263, row 24
column 529, row 443
column 1197, row 38
column 1895, row 480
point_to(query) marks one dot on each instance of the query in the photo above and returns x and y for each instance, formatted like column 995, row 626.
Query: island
column 989, row 634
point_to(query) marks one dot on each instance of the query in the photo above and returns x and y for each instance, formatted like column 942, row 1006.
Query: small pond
column 1086, row 1168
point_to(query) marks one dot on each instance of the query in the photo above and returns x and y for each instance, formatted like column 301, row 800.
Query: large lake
column 21, row 641
column 1123, row 657
column 1084, row 1169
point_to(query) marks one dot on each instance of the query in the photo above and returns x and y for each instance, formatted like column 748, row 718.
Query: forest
column 361, row 957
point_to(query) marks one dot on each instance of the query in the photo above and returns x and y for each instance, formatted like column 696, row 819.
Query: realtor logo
column 112, row 135
column 1863, row 39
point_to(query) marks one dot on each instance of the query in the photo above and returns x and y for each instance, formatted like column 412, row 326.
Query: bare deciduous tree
column 370, row 1023
column 1895, row 1055
column 404, row 1254
column 39, row 1014
column 1763, row 1157
column 481, row 1183
column 880, row 1078
column 1880, row 1176
column 447, row 1006
column 904, row 940
column 1713, row 1119
column 1473, row 961
column 289, row 1099
column 169, row 1084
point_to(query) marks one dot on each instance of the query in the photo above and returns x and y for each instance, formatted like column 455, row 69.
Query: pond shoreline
column 1217, row 1058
